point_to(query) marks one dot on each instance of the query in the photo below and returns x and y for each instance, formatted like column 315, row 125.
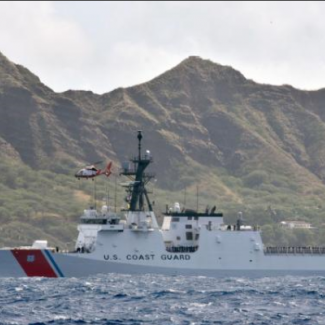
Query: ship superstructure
column 189, row 242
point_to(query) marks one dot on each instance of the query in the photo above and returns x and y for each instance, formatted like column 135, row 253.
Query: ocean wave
column 157, row 299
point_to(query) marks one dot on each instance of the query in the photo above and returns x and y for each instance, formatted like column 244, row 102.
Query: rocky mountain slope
column 241, row 142
column 199, row 110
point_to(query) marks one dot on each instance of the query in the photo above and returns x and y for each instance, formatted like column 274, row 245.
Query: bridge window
column 188, row 226
column 94, row 221
column 189, row 236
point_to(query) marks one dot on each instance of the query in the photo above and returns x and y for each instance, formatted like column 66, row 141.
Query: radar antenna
column 136, row 189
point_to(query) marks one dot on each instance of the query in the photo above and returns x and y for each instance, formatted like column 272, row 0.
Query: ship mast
column 137, row 187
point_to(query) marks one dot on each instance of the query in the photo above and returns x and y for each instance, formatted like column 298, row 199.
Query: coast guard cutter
column 188, row 243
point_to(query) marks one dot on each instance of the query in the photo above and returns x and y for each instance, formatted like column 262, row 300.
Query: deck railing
column 294, row 250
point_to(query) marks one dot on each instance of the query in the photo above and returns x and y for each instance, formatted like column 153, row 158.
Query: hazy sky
column 100, row 46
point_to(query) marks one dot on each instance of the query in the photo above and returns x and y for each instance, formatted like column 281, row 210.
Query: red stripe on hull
column 33, row 262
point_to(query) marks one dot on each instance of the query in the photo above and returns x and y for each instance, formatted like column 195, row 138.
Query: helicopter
column 92, row 172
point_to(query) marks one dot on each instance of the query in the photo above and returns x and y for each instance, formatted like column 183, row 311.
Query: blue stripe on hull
column 57, row 269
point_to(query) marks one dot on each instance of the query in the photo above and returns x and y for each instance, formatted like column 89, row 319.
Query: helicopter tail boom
column 107, row 171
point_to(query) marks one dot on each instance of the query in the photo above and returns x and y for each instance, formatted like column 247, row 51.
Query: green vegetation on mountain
column 259, row 149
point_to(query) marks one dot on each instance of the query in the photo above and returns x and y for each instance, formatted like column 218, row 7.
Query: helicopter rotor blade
column 97, row 162
column 90, row 164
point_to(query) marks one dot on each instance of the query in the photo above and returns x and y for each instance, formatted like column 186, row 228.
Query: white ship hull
column 219, row 255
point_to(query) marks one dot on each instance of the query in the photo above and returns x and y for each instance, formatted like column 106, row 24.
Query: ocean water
column 156, row 299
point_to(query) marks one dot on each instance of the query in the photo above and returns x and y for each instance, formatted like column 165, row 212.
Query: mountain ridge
column 250, row 147
column 217, row 85
column 199, row 113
